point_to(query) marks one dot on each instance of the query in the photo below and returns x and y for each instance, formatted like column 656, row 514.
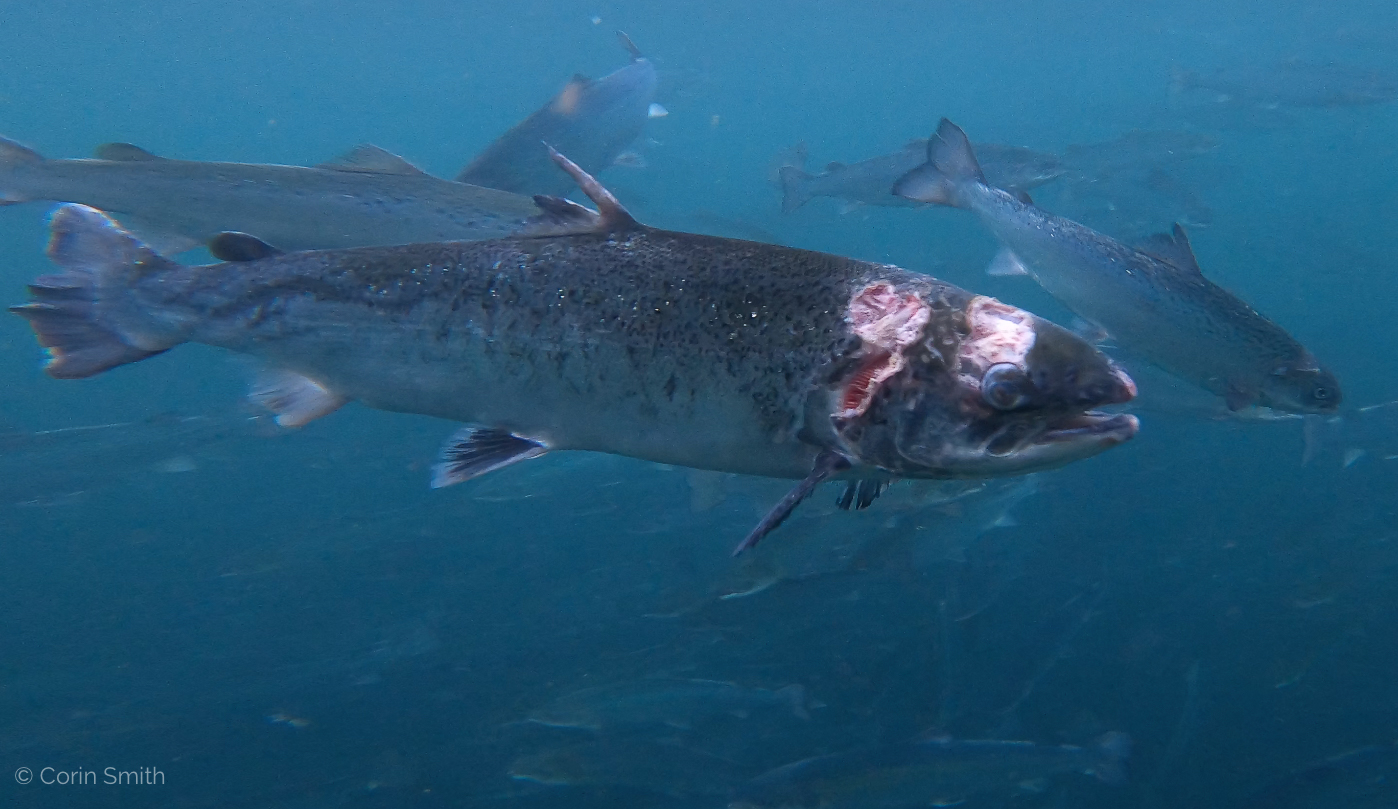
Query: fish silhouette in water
column 366, row 196
column 594, row 122
column 870, row 182
column 939, row 772
column 1154, row 301
column 677, row 348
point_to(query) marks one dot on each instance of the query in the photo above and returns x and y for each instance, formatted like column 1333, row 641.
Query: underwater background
column 289, row 619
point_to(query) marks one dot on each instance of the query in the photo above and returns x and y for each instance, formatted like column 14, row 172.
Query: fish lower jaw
column 1108, row 428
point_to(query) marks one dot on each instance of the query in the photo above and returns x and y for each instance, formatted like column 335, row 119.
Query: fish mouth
column 1107, row 428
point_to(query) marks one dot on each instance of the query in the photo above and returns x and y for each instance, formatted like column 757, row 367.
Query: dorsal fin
column 367, row 158
column 123, row 151
column 563, row 216
column 630, row 46
column 613, row 217
column 231, row 245
column 1023, row 196
column 833, row 166
column 1173, row 249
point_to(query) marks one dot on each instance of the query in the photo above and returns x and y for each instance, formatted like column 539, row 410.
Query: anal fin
column 474, row 451
column 295, row 399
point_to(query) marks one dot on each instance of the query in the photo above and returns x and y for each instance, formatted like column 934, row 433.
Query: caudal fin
column 14, row 156
column 72, row 311
column 796, row 188
column 950, row 168
column 794, row 696
column 1112, row 748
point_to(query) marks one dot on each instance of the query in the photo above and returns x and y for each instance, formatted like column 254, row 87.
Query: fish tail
column 794, row 695
column 14, row 156
column 951, row 169
column 796, row 188
column 1112, row 749
column 80, row 314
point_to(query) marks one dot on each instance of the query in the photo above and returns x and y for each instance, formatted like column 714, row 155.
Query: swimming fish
column 367, row 196
column 940, row 772
column 1291, row 83
column 677, row 348
column 870, row 182
column 593, row 122
column 1153, row 301
column 676, row 703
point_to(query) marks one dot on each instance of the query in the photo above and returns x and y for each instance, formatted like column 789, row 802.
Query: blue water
column 276, row 619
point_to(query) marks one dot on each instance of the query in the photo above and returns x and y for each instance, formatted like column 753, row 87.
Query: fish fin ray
column 124, row 153
column 613, row 217
column 1172, row 248
column 232, row 245
column 1006, row 263
column 474, row 451
column 297, row 400
column 826, row 464
column 366, row 158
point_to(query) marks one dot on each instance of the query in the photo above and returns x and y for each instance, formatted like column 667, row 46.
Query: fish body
column 677, row 703
column 870, row 182
column 1153, row 301
column 1292, row 83
column 663, row 768
column 367, row 196
column 940, row 772
column 1135, row 151
column 678, row 348
column 1362, row 778
column 592, row 121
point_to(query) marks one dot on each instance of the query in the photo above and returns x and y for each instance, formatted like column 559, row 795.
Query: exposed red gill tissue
column 860, row 390
column 887, row 323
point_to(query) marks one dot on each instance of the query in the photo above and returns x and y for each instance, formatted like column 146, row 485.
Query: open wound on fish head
column 1000, row 339
column 887, row 322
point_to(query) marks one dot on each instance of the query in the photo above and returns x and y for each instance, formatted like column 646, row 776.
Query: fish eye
column 1005, row 386
column 1321, row 393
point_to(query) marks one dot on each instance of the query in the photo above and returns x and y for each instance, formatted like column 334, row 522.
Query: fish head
column 979, row 389
column 1301, row 387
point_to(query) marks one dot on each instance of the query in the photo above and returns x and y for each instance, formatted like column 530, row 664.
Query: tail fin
column 1112, row 748
column 796, row 188
column 12, row 156
column 951, row 165
column 794, row 695
column 69, row 313
column 1181, row 81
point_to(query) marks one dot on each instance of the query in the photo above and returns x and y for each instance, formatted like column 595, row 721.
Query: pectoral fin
column 827, row 463
column 295, row 399
column 474, row 451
